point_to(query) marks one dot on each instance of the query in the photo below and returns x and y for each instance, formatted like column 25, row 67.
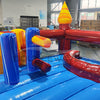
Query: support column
column 32, row 50
column 10, row 58
column 64, row 44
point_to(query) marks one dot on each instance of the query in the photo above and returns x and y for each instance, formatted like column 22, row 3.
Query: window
column 87, row 16
column 84, row 4
column 56, row 6
column 98, row 4
column 92, row 3
column 90, row 16
column 54, row 18
column 89, row 11
column 83, row 16
column 55, row 9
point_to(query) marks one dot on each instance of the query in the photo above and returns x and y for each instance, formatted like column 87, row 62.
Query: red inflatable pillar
column 64, row 26
column 64, row 44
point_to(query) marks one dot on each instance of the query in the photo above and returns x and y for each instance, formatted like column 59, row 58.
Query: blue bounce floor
column 58, row 84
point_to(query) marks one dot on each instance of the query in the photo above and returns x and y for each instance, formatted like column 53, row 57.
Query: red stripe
column 65, row 8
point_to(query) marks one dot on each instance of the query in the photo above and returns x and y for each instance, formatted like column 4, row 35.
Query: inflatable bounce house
column 67, row 76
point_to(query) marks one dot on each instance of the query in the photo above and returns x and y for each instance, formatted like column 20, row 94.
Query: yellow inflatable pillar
column 64, row 16
column 21, row 44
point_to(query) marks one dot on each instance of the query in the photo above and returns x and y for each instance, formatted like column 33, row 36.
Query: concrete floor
column 86, row 50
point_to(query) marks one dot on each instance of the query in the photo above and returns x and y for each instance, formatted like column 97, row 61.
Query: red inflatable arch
column 80, row 68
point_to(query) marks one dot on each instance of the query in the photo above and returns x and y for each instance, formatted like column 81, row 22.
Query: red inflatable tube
column 43, row 66
column 82, row 35
column 6, row 31
column 52, row 33
column 81, row 68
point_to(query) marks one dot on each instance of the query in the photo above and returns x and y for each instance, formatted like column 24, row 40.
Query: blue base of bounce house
column 58, row 84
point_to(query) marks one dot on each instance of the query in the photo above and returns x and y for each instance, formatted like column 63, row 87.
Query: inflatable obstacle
column 73, row 62
column 35, row 78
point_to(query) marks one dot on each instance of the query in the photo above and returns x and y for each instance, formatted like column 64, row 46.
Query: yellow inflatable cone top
column 64, row 16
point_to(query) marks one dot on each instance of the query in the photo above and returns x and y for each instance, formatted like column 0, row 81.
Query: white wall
column 0, row 13
column 16, row 8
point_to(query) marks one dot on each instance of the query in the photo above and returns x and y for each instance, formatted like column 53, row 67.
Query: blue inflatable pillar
column 32, row 50
column 10, row 58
